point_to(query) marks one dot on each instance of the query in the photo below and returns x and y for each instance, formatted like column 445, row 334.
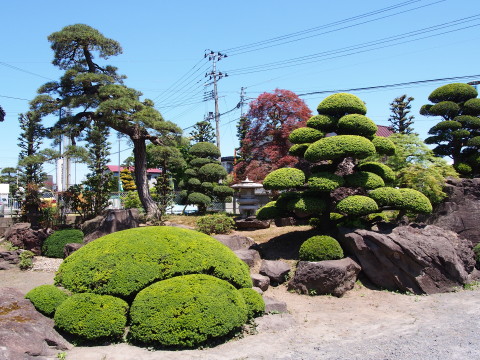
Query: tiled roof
column 114, row 168
column 384, row 131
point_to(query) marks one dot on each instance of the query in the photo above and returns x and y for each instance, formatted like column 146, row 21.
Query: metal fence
column 9, row 206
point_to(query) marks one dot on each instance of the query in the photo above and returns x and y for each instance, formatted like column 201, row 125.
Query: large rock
column 422, row 259
column 113, row 221
column 70, row 248
column 23, row 236
column 24, row 332
column 251, row 223
column 9, row 259
column 250, row 257
column 235, row 242
column 460, row 211
column 333, row 277
column 260, row 281
column 276, row 270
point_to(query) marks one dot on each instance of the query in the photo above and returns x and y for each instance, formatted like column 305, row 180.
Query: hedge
column 92, row 316
column 124, row 262
column 356, row 124
column 456, row 92
column 46, row 298
column 212, row 172
column 383, row 145
column 253, row 301
column 357, row 205
column 305, row 135
column 298, row 149
column 320, row 248
column 186, row 311
column 54, row 244
column 323, row 123
column 382, row 170
column 341, row 104
column 364, row 179
column 325, row 181
column 445, row 108
column 204, row 150
column 198, row 199
column 340, row 146
column 282, row 179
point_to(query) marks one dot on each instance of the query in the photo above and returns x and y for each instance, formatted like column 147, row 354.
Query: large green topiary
column 323, row 123
column 324, row 181
column 285, row 178
column 341, row 146
column 269, row 211
column 403, row 199
column 92, row 316
column 54, row 244
column 123, row 263
column 319, row 248
column 383, row 146
column 307, row 204
column 365, row 179
column 456, row 92
column 341, row 104
column 204, row 150
column 253, row 301
column 212, row 172
column 46, row 298
column 382, row 170
column 305, row 135
column 356, row 124
column 186, row 311
column 357, row 205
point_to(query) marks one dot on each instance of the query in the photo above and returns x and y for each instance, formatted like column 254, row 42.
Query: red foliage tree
column 264, row 144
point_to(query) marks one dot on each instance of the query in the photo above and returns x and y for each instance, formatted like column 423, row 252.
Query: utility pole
column 242, row 100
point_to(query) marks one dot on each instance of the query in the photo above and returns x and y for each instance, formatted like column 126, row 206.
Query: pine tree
column 127, row 180
column 203, row 132
column 400, row 120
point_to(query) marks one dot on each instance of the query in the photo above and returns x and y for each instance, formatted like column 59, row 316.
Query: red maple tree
column 264, row 146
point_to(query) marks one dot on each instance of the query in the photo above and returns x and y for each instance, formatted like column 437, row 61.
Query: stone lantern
column 246, row 199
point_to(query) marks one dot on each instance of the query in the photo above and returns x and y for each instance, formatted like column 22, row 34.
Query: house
column 152, row 174
column 227, row 163
column 384, row 131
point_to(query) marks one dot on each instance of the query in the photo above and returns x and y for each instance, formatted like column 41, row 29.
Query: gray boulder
column 24, row 237
column 260, row 281
column 235, row 242
column 274, row 306
column 422, row 259
column 250, row 257
column 71, row 248
column 24, row 332
column 276, row 270
column 251, row 223
column 9, row 259
column 113, row 221
column 333, row 277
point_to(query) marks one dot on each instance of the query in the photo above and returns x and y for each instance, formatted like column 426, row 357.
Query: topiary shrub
column 323, row 123
column 463, row 168
column 54, row 244
column 298, row 149
column 204, row 150
column 269, row 211
column 124, row 262
column 403, row 199
column 199, row 162
column 282, row 179
column 194, row 182
column 208, row 185
column 215, row 224
column 445, row 125
column 325, row 181
column 186, row 311
column 319, row 248
column 456, row 92
column 469, row 122
column 383, row 146
column 222, row 191
column 46, row 298
column 382, row 170
column 356, row 124
column 307, row 205
column 253, row 301
column 340, row 146
column 364, row 179
column 341, row 104
column 191, row 172
column 92, row 317
column 305, row 135
column 472, row 107
column 199, row 199
column 357, row 205
column 445, row 108
column 212, row 172
column 386, row 196
column 26, row 260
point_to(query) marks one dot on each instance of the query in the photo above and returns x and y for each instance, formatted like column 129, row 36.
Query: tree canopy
column 400, row 120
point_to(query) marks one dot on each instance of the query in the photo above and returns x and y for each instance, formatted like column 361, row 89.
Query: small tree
column 126, row 178
column 203, row 132
column 400, row 120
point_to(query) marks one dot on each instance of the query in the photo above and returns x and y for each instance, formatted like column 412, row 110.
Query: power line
column 23, row 70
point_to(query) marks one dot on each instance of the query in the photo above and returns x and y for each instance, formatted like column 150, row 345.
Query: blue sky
column 335, row 45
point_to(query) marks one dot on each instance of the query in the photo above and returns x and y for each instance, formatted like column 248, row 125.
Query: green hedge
column 186, row 311
column 215, row 224
column 445, row 108
column 253, row 301
column 325, row 181
column 124, row 262
column 212, row 172
column 324, row 123
column 383, row 145
column 46, row 298
column 298, row 149
column 204, row 150
column 54, row 244
column 305, row 135
column 282, row 179
column 365, row 179
column 319, row 248
column 456, row 92
column 355, row 124
column 382, row 170
column 357, row 205
column 92, row 316
column 341, row 104
column 340, row 146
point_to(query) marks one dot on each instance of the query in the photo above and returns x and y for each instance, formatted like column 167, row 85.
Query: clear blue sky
column 355, row 44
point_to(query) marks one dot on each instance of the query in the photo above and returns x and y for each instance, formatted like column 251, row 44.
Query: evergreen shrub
column 253, row 301
column 445, row 108
column 365, row 179
column 472, row 107
column 307, row 204
column 319, row 248
column 298, row 149
column 285, row 178
column 356, row 124
column 325, row 181
column 46, row 298
column 54, row 244
column 305, row 135
column 215, row 224
column 323, row 123
column 199, row 198
column 382, row 170
column 212, row 172
column 199, row 162
column 341, row 104
column 470, row 122
column 204, row 150
column 383, row 145
column 357, row 205
column 456, row 92
column 340, row 146
column 269, row 211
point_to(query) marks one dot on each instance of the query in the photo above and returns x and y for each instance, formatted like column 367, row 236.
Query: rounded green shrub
column 463, row 168
column 356, row 124
column 357, row 205
column 324, row 123
column 199, row 199
column 460, row 134
column 253, row 301
column 92, row 316
column 186, row 311
column 320, row 248
column 382, row 170
column 207, row 185
column 298, row 149
column 285, row 198
column 340, row 146
column 124, row 262
column 386, row 196
column 324, row 181
column 415, row 201
column 472, row 107
column 191, row 172
column 469, row 122
column 305, row 135
column 456, row 92
column 282, row 179
column 212, row 172
column 307, row 204
column 223, row 191
column 341, row 104
column 445, row 125
column 474, row 141
column 215, row 224
column 54, row 244
column 204, row 150
column 383, row 146
column 46, row 298
column 269, row 211
column 425, row 110
column 194, row 182
column 199, row 162
column 365, row 179
column 445, row 108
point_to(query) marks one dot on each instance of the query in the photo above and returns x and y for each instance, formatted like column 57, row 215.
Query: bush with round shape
column 253, row 301
column 474, row 141
column 285, row 198
column 46, row 298
column 383, row 145
column 415, row 201
column 357, row 205
column 186, row 311
column 340, row 146
column 463, row 168
column 194, row 182
column 382, row 170
column 320, row 248
column 54, row 244
column 269, row 211
column 305, row 135
column 386, row 196
column 365, row 179
column 469, row 122
column 323, row 123
column 460, row 134
column 191, row 172
column 222, row 191
column 425, row 109
column 307, row 204
column 204, row 150
column 215, row 224
column 445, row 125
column 298, row 149
column 208, row 186
column 341, row 104
column 212, row 172
column 325, row 181
column 472, row 107
column 445, row 108
column 356, row 124
column 282, row 179
column 199, row 162
column 124, row 262
column 92, row 316
column 199, row 199
column 456, row 92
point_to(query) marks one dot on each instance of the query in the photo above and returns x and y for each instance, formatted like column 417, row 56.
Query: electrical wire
column 25, row 71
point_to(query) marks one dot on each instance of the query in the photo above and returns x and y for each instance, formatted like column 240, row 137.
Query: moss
column 324, row 181
column 323, row 123
column 383, row 146
column 341, row 104
column 124, row 262
column 298, row 149
column 320, row 248
column 253, row 301
column 456, row 92
column 445, row 108
column 186, row 311
column 54, row 244
column 269, row 211
column 204, row 150
column 282, row 179
column 212, row 172
column 365, row 179
column 46, row 298
column 382, row 170
column 92, row 316
column 338, row 147
column 357, row 205
column 355, row 124
column 305, row 135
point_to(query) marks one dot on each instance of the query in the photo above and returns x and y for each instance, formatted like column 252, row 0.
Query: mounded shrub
column 341, row 104
column 194, row 182
column 269, row 211
column 456, row 92
column 223, row 191
column 445, row 125
column 463, row 168
column 386, row 196
column 445, row 108
column 215, row 224
column 382, row 170
column 124, row 262
column 199, row 199
column 212, row 172
column 324, row 181
column 461, row 133
column 92, row 316
column 356, row 124
column 54, row 244
column 186, row 311
column 415, row 201
column 365, row 179
column 357, row 205
column 208, row 185
column 298, row 149
column 282, row 179
column 319, row 248
column 46, row 298
column 191, row 172
column 253, row 301
column 340, row 146
column 425, row 109
column 199, row 162
column 323, row 123
column 204, row 150
column 307, row 204
column 383, row 145
column 305, row 135
column 285, row 198
column 474, row 141
column 472, row 107
column 469, row 122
